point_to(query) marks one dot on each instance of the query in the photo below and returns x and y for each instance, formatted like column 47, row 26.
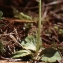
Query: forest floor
column 13, row 29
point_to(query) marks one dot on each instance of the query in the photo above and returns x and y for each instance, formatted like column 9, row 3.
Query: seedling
column 32, row 46
column 32, row 43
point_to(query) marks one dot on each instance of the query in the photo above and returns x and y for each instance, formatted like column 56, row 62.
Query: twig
column 16, row 33
column 54, row 2
column 6, row 34
column 55, row 38
column 46, row 40
column 56, row 16
column 15, row 40
column 13, row 60
column 26, row 7
column 18, row 20
column 37, row 58
column 54, row 31
column 45, row 14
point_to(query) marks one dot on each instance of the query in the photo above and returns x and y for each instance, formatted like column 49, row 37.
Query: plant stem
column 39, row 28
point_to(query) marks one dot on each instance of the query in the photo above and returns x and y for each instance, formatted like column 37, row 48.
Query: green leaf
column 21, row 53
column 56, row 27
column 1, row 14
column 50, row 55
column 60, row 31
column 25, row 16
column 30, row 46
column 1, row 47
column 20, row 15
column 29, row 43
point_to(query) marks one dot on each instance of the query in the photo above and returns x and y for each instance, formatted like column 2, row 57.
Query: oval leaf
column 21, row 53
column 50, row 55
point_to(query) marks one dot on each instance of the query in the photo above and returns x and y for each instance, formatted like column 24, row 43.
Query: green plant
column 29, row 47
column 1, row 14
column 59, row 30
column 20, row 15
column 27, row 26
column 32, row 45
column 39, row 27
column 1, row 47
column 50, row 55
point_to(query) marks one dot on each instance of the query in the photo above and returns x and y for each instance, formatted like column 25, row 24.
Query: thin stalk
column 39, row 28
